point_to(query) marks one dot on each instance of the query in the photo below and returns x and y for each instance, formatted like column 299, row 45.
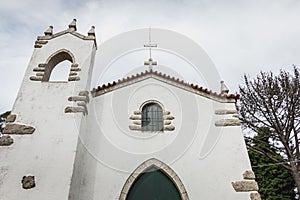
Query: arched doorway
column 153, row 185
column 153, row 180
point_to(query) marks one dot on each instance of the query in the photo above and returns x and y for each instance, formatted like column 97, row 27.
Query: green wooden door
column 153, row 185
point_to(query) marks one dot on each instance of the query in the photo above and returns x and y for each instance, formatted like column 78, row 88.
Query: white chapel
column 145, row 136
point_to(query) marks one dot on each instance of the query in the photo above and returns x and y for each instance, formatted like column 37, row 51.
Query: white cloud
column 239, row 36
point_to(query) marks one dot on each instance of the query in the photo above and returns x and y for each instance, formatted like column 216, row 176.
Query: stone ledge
column 6, row 140
column 137, row 112
column 169, row 128
column 40, row 74
column 83, row 104
column 75, row 69
column 39, row 69
column 36, row 78
column 78, row 98
column 135, row 117
column 84, row 93
column 11, row 118
column 28, row 182
column 137, row 122
column 41, row 42
column 73, row 109
column 18, row 129
column 74, row 78
column 168, row 117
column 73, row 74
column 228, row 122
column 167, row 122
column 135, row 127
column 249, row 175
column 225, row 112
column 167, row 112
column 38, row 46
column 245, row 186
column 255, row 196
column 42, row 65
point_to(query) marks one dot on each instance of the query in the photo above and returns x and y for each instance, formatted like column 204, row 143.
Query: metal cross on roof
column 150, row 61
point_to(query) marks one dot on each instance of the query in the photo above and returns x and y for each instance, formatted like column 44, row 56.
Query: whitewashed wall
column 205, row 157
column 48, row 153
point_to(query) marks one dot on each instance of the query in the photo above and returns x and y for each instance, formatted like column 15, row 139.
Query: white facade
column 86, row 145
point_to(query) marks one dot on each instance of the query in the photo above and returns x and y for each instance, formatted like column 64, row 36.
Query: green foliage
column 3, row 120
column 275, row 182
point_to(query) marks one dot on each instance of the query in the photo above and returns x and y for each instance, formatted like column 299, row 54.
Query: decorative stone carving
column 249, row 175
column 255, row 196
column 6, row 140
column 28, row 182
column 228, row 122
column 11, row 118
column 245, row 186
column 18, row 129
column 225, row 112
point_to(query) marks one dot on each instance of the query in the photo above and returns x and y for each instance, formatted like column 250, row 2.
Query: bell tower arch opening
column 58, row 66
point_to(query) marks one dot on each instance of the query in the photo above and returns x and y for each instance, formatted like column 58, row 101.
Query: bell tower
column 41, row 134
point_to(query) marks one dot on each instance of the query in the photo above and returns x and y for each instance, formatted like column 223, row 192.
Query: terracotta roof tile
column 174, row 80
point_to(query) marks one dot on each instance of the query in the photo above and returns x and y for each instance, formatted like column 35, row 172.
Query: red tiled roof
column 170, row 79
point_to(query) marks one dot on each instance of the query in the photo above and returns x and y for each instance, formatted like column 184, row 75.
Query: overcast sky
column 239, row 36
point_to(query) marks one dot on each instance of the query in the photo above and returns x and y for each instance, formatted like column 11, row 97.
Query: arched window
column 152, row 117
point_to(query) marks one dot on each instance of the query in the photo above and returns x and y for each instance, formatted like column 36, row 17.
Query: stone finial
column 92, row 31
column 72, row 25
column 224, row 88
column 49, row 31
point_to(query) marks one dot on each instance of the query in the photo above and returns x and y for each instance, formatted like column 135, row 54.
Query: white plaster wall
column 49, row 152
column 205, row 157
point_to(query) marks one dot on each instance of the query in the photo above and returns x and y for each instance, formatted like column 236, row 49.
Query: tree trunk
column 296, row 176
